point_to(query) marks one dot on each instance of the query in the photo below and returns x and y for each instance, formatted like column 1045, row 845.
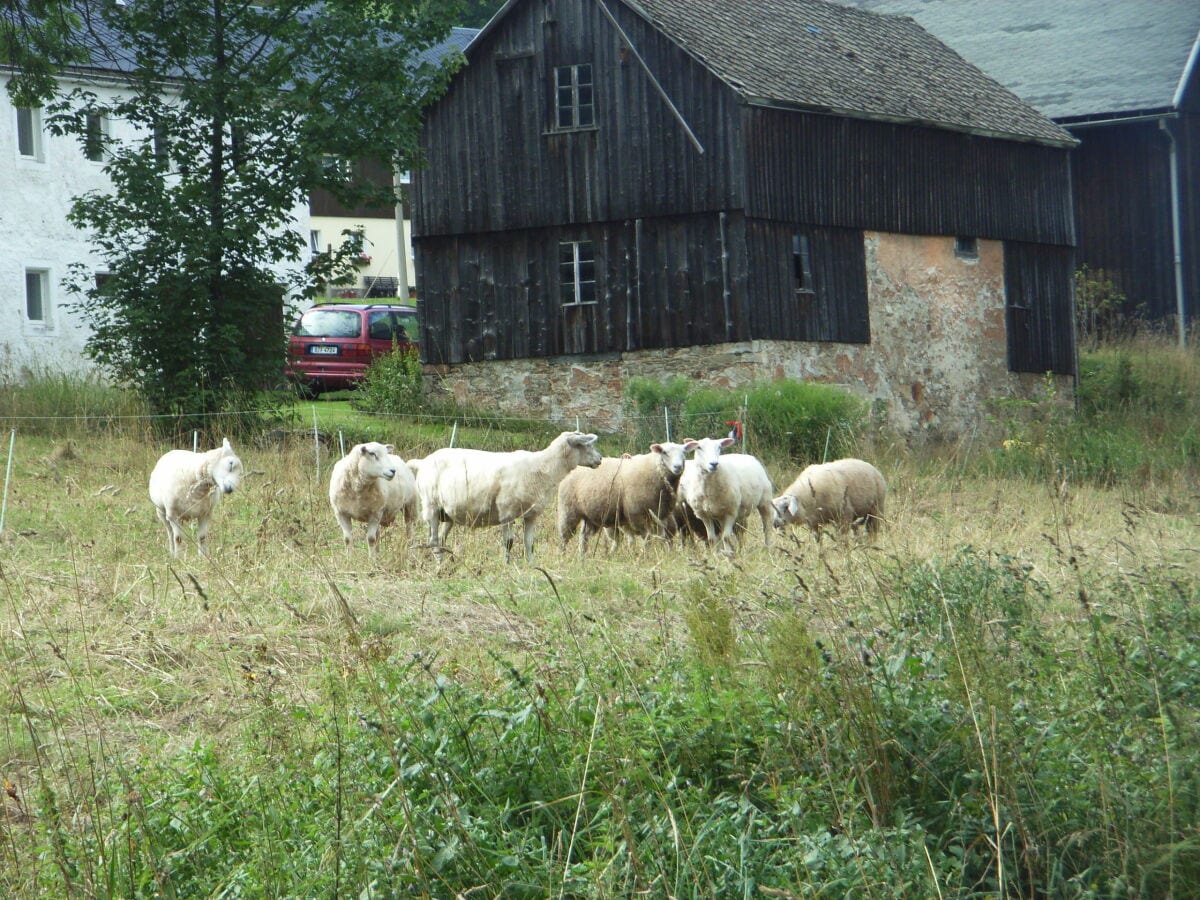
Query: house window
column 29, row 132
column 577, row 273
column 966, row 247
column 161, row 145
column 37, row 294
column 802, row 266
column 314, row 242
column 573, row 96
column 94, row 137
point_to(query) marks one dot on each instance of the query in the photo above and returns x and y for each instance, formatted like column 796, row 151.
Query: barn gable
column 610, row 177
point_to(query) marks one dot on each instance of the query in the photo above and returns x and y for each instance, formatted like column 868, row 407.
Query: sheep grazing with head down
column 722, row 490
column 632, row 493
column 371, row 484
column 842, row 493
column 186, row 485
column 480, row 488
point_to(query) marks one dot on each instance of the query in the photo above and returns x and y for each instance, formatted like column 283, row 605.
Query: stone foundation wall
column 937, row 353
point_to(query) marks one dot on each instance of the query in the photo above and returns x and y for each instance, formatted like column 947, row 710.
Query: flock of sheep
column 660, row 493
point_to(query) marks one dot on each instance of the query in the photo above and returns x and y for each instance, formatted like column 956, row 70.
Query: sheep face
column 374, row 461
column 227, row 472
column 787, row 510
column 707, row 452
column 671, row 457
column 584, row 446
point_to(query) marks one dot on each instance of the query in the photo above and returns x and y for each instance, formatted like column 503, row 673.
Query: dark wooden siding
column 495, row 163
column 367, row 172
column 1122, row 184
column 852, row 173
column 1188, row 136
column 671, row 282
column 1039, row 320
column 837, row 309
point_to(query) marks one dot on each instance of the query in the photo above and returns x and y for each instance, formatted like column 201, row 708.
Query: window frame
column 34, row 133
column 574, row 106
column 804, row 283
column 95, row 137
column 966, row 247
column 576, row 287
column 41, row 276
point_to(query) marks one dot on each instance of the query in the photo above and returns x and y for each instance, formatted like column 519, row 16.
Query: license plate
column 323, row 349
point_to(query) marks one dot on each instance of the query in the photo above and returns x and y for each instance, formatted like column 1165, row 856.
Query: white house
column 40, row 174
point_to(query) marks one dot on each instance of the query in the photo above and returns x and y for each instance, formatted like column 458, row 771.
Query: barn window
column 966, row 247
column 573, row 96
column 802, row 265
column 577, row 273
column 29, row 132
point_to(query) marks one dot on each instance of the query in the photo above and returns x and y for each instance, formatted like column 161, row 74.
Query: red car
column 333, row 344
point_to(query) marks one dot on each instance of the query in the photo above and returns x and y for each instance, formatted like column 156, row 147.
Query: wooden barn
column 1124, row 79
column 772, row 188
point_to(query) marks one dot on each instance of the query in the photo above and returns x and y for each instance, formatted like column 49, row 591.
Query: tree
column 242, row 110
column 476, row 13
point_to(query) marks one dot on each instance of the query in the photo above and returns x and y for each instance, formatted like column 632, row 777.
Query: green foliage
column 1138, row 416
column 1101, row 308
column 393, row 385
column 801, row 420
column 196, row 231
column 44, row 400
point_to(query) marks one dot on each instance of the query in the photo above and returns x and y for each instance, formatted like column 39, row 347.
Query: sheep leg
column 172, row 540
column 507, row 533
column 202, row 536
column 725, row 542
column 347, row 529
column 585, row 532
column 373, row 535
column 530, row 532
column 767, row 513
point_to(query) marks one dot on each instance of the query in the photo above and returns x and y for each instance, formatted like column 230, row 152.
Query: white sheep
column 186, row 485
column 634, row 493
column 481, row 488
column 371, row 484
column 722, row 490
column 841, row 493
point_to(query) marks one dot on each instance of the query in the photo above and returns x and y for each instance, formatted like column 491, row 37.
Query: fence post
column 195, row 441
column 667, row 422
column 453, row 432
column 12, row 439
column 341, row 443
column 316, row 445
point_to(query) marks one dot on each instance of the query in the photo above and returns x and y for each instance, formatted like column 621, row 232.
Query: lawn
column 996, row 697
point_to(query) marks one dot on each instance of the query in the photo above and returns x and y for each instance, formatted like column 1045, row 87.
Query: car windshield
column 329, row 323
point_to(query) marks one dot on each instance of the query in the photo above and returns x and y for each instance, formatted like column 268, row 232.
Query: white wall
column 380, row 244
column 35, row 197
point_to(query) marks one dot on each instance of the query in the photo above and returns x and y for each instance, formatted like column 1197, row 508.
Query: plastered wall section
column 936, row 362
column 36, row 235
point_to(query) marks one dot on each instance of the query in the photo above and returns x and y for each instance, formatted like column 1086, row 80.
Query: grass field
column 995, row 698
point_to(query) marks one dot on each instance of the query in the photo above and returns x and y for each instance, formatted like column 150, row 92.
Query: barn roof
column 1071, row 59
column 815, row 54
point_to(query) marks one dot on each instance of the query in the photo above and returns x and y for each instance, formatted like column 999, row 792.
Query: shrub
column 803, row 420
column 392, row 385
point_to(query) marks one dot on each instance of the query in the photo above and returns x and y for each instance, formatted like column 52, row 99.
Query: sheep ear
column 582, row 440
column 225, row 445
column 657, row 448
column 362, row 448
column 689, row 445
column 389, row 448
column 725, row 442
